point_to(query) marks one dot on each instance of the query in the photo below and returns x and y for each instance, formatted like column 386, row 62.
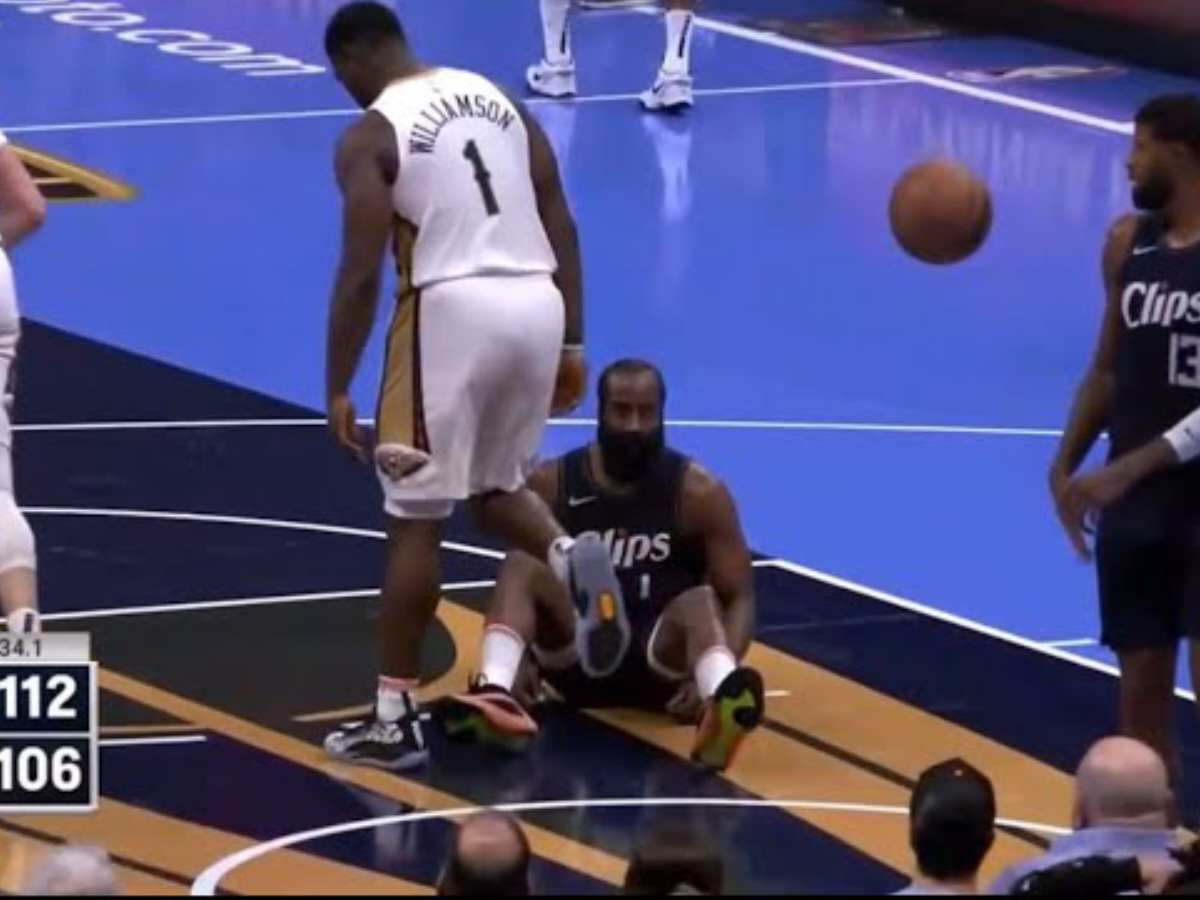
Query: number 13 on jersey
column 49, row 737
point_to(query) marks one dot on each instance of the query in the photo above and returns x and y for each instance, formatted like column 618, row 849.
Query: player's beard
column 629, row 456
column 1154, row 193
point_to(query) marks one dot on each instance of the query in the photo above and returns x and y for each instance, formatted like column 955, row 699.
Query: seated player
column 673, row 643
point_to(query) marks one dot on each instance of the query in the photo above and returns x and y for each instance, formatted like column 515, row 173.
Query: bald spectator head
column 490, row 858
column 73, row 872
column 1122, row 782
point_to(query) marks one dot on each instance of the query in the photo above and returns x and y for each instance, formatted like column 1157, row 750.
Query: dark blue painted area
column 239, row 789
column 576, row 757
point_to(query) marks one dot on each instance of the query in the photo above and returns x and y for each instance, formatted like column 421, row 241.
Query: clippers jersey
column 1158, row 351
column 655, row 559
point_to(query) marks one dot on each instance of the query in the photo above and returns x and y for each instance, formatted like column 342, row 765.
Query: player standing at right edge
column 1144, row 388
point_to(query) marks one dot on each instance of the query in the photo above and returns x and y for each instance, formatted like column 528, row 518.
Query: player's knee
column 518, row 569
column 697, row 605
column 17, row 547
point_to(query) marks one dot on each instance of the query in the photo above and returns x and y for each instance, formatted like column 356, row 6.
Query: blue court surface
column 886, row 427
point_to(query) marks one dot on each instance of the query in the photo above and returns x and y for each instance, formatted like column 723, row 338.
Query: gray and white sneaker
column 602, row 631
column 671, row 93
column 395, row 746
column 555, row 80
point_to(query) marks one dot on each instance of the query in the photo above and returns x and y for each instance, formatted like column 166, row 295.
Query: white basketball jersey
column 465, row 186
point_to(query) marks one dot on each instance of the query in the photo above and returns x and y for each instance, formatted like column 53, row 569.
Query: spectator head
column 1122, row 783
column 490, row 858
column 952, row 821
column 674, row 859
column 73, row 872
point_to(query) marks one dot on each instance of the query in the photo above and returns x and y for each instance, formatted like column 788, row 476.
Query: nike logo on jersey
column 579, row 501
column 1142, row 251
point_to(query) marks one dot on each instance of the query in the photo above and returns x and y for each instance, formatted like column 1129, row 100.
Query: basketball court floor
column 885, row 427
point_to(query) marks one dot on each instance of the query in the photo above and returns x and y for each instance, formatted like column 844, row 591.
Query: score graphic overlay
column 49, row 724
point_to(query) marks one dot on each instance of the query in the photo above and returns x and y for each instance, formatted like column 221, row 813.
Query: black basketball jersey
column 1158, row 350
column 654, row 558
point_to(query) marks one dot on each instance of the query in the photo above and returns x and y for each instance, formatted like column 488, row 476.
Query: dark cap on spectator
column 953, row 818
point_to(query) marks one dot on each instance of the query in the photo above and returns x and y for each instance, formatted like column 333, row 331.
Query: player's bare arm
column 366, row 165
column 559, row 223
column 22, row 207
column 1089, row 414
column 709, row 509
column 544, row 481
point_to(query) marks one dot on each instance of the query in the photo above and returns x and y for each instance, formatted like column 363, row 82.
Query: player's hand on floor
column 685, row 707
column 344, row 426
column 571, row 383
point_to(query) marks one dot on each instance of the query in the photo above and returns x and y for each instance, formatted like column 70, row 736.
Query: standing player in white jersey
column 486, row 338
column 22, row 211
column 554, row 75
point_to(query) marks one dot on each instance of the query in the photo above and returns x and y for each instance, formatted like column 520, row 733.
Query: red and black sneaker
column 489, row 715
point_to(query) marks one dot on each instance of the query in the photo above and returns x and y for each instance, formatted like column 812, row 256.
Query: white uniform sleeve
column 3, row 139
column 1185, row 438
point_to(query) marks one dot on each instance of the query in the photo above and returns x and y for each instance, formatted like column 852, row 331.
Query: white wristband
column 1184, row 438
column 572, row 348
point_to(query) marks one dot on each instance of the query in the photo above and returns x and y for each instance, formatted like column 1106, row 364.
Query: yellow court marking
column 102, row 186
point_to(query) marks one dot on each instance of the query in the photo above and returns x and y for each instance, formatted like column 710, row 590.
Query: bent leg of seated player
column 530, row 605
column 725, row 699
column 583, row 564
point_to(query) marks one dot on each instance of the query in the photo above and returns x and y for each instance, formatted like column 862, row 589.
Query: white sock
column 713, row 667
column 556, row 31
column 678, row 58
column 394, row 700
column 558, row 557
column 503, row 651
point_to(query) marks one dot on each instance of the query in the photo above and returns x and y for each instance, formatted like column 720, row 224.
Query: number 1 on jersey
column 483, row 176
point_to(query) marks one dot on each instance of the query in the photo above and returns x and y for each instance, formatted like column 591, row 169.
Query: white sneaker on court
column 552, row 79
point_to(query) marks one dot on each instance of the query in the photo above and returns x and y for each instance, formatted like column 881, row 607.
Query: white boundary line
column 346, row 112
column 153, row 741
column 911, row 75
column 207, row 881
column 164, row 515
column 275, row 600
column 969, row 624
column 729, row 424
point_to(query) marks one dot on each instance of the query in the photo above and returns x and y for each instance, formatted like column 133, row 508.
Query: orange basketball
column 940, row 212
